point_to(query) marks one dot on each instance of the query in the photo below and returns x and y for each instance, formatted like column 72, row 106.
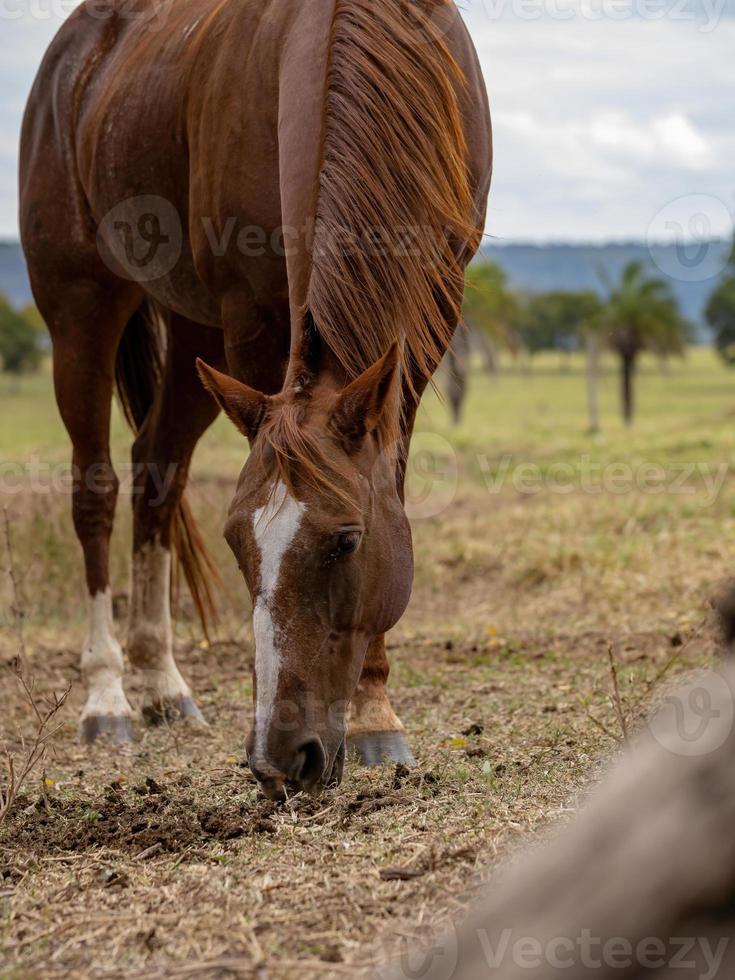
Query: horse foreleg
column 85, row 345
column 183, row 411
column 375, row 733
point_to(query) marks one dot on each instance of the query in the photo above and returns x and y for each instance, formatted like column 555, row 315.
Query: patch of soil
column 151, row 819
column 146, row 819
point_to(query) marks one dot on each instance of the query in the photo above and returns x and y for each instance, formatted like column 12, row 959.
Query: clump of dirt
column 144, row 819
column 149, row 819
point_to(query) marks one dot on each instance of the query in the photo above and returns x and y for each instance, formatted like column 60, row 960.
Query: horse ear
column 360, row 406
column 245, row 406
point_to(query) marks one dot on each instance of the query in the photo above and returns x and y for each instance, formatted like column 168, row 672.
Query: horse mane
column 394, row 167
column 394, row 164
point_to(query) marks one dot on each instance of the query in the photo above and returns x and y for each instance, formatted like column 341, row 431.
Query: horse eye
column 347, row 543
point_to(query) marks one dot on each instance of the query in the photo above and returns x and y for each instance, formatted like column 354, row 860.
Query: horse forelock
column 299, row 454
column 394, row 189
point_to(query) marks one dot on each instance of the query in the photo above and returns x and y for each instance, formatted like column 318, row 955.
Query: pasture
column 542, row 554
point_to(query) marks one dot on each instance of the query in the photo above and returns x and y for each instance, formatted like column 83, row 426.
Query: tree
column 491, row 310
column 579, row 320
column 489, row 313
column 539, row 327
column 20, row 347
column 641, row 314
column 720, row 314
column 565, row 320
column 553, row 320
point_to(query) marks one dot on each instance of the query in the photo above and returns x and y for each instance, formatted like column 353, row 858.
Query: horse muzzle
column 304, row 766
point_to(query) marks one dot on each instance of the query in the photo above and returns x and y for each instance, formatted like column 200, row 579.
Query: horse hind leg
column 86, row 334
column 375, row 733
column 181, row 413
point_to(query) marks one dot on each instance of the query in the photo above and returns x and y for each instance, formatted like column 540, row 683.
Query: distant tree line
column 22, row 338
column 639, row 313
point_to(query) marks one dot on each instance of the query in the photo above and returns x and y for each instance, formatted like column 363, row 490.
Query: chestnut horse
column 288, row 190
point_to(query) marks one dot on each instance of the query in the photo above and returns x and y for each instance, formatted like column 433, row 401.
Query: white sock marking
column 275, row 526
column 150, row 638
column 102, row 662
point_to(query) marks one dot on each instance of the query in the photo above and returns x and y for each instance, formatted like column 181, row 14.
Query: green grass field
column 523, row 445
column 540, row 549
column 541, row 411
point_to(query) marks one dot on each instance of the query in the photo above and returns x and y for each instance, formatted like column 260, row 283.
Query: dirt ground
column 162, row 860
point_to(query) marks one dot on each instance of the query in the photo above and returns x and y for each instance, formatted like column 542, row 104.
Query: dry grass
column 163, row 861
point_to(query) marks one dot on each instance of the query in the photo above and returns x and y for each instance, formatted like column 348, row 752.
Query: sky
column 614, row 120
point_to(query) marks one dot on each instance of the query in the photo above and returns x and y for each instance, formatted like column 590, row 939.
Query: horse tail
column 139, row 364
column 138, row 374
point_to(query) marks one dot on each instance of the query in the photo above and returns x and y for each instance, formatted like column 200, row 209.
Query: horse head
column 319, row 530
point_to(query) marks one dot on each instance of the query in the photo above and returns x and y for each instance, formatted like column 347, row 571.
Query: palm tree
column 641, row 314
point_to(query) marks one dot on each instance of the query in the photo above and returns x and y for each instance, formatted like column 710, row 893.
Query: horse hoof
column 377, row 748
column 117, row 729
column 177, row 709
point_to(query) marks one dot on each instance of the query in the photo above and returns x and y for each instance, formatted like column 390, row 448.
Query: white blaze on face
column 275, row 526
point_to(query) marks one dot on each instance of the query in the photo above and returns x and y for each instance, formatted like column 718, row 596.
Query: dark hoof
column 167, row 712
column 377, row 748
column 114, row 728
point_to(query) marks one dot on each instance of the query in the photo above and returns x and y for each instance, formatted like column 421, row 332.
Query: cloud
column 604, row 110
column 599, row 124
column 671, row 135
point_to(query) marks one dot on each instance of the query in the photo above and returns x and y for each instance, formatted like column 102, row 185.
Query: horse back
column 217, row 109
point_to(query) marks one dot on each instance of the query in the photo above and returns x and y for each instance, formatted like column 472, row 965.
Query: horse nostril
column 312, row 762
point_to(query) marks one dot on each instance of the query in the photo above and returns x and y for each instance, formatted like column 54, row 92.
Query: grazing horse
column 263, row 207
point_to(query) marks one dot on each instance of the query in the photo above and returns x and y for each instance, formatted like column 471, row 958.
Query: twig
column 17, row 607
column 33, row 752
column 617, row 700
column 677, row 655
column 149, row 851
column 596, row 721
